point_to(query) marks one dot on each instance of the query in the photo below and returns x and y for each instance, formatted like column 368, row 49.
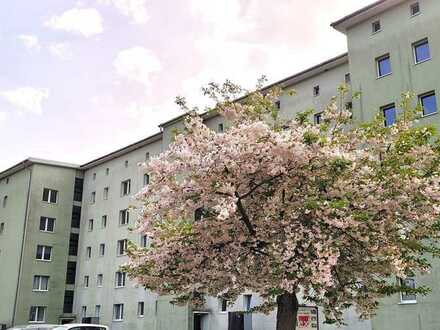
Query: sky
column 80, row 79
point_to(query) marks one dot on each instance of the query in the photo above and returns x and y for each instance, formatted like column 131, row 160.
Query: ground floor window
column 37, row 314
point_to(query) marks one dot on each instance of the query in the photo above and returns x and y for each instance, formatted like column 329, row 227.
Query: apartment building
column 393, row 46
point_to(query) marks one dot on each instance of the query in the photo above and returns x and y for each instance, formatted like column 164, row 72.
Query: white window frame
column 43, row 252
column 418, row 43
column 97, row 310
column 40, row 278
column 144, row 241
column 93, row 197
column 2, row 227
column 124, row 217
column 421, row 97
column 141, row 309
column 118, row 312
column 101, row 249
column 146, row 179
column 316, row 91
column 49, row 195
column 380, row 58
column 99, row 280
column 373, row 31
column 88, row 252
column 120, row 279
column 83, row 311
column 403, row 301
column 222, row 301
column 105, row 193
column 104, row 219
column 46, row 225
column 86, row 282
column 90, row 224
column 36, row 314
column 124, row 247
column 5, row 201
column 411, row 6
column 126, row 187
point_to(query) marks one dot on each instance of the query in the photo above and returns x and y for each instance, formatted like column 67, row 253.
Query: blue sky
column 79, row 79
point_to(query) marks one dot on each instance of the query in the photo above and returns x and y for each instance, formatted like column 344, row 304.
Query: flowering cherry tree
column 330, row 214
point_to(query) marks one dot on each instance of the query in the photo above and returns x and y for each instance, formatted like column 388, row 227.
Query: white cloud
column 135, row 9
column 84, row 21
column 137, row 64
column 61, row 50
column 26, row 99
column 30, row 41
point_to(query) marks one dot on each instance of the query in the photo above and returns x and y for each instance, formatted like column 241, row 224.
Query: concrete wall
column 13, row 216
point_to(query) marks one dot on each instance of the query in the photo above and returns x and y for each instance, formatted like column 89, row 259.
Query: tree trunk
column 287, row 311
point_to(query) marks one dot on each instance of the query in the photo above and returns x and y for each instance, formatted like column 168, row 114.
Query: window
column 120, row 279
column 93, row 197
column 47, row 224
column 347, row 78
column 105, row 195
column 375, row 27
column 124, row 217
column 278, row 104
column 90, row 227
column 41, row 283
column 389, row 113
column 94, row 176
column 99, row 280
column 71, row 272
column 147, row 156
column 125, row 187
column 317, row 118
column 73, row 244
column 86, row 281
column 383, row 66
column 146, row 179
column 140, row 312
column 107, row 171
column 76, row 216
column 408, row 297
column 144, row 241
column 37, row 314
column 50, row 195
column 223, row 305
column 122, row 247
column 118, row 312
column 103, row 221
column 5, row 201
column 101, row 249
column 421, row 50
column 247, row 302
column 429, row 103
column 348, row 105
column 316, row 90
column 126, row 163
column 97, row 310
column 220, row 128
column 78, row 189
column 44, row 252
column 2, row 227
column 415, row 9
column 88, row 252
column 83, row 311
column 68, row 301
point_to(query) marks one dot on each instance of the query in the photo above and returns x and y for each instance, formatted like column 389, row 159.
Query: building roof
column 363, row 14
column 284, row 83
column 31, row 161
column 122, row 151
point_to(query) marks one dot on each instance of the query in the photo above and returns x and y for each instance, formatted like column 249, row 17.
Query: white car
column 70, row 326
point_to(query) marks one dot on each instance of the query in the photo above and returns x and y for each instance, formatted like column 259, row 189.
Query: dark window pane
column 71, row 272
column 39, row 252
column 73, row 244
column 42, row 223
column 50, row 224
column 429, row 104
column 389, row 115
column 76, row 216
column 46, row 195
column 78, row 189
column 68, row 301
column 47, row 253
column 53, row 196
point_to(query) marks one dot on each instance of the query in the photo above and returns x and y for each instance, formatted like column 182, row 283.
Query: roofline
column 122, row 151
column 286, row 82
column 347, row 21
column 31, row 161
